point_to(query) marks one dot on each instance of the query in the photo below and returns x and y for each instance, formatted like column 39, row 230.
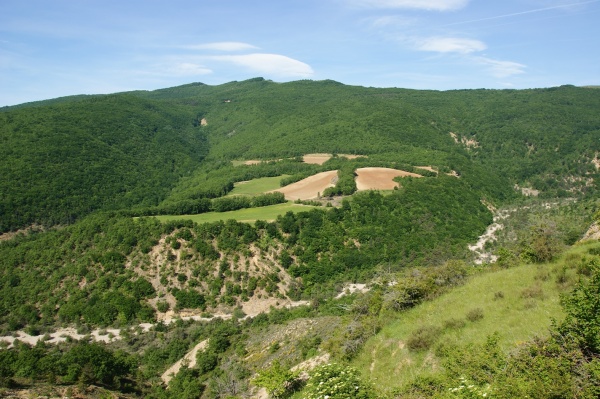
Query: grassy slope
column 268, row 213
column 257, row 186
column 516, row 317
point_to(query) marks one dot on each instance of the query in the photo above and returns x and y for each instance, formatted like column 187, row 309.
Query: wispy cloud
column 450, row 45
column 514, row 14
column 393, row 21
column 270, row 64
column 432, row 5
column 501, row 69
column 189, row 69
column 222, row 46
column 466, row 49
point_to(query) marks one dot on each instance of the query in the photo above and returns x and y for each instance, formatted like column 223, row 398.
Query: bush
column 533, row 292
column 206, row 361
column 454, row 323
column 475, row 314
column 423, row 338
column 162, row 306
column 335, row 381
column 280, row 382
column 583, row 318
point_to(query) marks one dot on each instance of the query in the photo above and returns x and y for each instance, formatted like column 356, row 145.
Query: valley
column 300, row 230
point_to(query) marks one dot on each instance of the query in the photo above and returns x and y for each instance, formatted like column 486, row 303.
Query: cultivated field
column 311, row 187
column 379, row 178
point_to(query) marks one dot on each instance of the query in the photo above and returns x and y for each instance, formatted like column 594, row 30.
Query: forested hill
column 333, row 274
column 65, row 158
column 60, row 162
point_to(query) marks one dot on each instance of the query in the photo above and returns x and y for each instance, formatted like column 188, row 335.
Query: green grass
column 267, row 213
column 257, row 186
column 517, row 303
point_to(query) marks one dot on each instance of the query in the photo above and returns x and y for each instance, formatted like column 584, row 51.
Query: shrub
column 280, row 382
column 206, row 361
column 583, row 318
column 475, row 314
column 423, row 338
column 533, row 292
column 335, row 381
column 162, row 306
column 454, row 323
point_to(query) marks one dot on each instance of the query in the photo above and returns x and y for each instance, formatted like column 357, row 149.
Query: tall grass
column 517, row 303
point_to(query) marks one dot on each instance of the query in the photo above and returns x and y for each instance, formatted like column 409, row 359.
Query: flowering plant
column 335, row 381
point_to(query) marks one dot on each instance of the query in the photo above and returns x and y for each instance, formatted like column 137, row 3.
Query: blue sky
column 55, row 48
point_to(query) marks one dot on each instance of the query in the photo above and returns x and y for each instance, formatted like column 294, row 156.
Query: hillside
column 259, row 225
column 62, row 162
column 137, row 146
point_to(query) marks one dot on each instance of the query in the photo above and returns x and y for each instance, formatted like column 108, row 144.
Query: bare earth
column 379, row 178
column 189, row 359
column 310, row 187
column 320, row 159
column 429, row 168
column 252, row 162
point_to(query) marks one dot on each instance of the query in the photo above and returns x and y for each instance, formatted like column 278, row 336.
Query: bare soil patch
column 429, row 168
column 25, row 231
column 189, row 359
column 252, row 162
column 311, row 187
column 255, row 306
column 379, row 178
column 320, row 159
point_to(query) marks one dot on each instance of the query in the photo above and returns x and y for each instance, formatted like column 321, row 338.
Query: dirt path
column 189, row 359
column 62, row 334
column 251, row 308
column 320, row 159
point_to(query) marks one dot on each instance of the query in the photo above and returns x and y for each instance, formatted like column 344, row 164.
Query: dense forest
column 83, row 177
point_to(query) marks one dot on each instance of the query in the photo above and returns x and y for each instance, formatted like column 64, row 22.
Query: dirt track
column 379, row 178
column 320, row 159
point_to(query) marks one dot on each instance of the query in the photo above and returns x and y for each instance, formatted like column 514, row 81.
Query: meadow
column 248, row 215
column 514, row 305
column 257, row 186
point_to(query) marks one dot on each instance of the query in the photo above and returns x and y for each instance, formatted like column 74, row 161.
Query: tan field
column 379, row 178
column 311, row 187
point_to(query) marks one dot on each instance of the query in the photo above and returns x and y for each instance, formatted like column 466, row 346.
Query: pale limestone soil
column 189, row 359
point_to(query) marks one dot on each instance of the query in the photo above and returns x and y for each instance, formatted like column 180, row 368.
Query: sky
column 56, row 48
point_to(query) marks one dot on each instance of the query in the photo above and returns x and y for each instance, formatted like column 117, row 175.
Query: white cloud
column 392, row 20
column 501, row 69
column 450, row 45
column 270, row 64
column 433, row 5
column 222, row 46
column 189, row 69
